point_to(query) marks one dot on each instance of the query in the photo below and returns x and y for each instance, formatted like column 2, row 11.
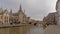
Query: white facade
column 58, row 10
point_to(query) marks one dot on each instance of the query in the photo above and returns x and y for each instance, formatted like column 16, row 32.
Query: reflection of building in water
column 9, row 17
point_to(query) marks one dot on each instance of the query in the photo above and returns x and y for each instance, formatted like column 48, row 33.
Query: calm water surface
column 21, row 30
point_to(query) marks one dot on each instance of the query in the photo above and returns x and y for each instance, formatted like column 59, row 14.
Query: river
column 36, row 30
column 22, row 30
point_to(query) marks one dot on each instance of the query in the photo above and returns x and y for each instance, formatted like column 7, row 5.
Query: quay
column 13, row 25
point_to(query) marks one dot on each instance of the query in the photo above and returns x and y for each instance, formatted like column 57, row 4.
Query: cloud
column 36, row 9
column 10, row 4
column 39, row 8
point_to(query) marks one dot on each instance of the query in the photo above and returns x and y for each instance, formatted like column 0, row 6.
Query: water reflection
column 22, row 30
column 36, row 30
column 15, row 30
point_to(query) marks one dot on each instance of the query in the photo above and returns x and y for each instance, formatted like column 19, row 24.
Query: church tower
column 20, row 9
column 21, row 15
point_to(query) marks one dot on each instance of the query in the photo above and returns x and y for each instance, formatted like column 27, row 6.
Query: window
column 1, row 17
column 5, row 17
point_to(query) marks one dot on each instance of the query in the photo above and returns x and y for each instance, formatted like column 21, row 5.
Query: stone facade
column 4, row 16
column 58, row 10
column 9, row 17
column 50, row 19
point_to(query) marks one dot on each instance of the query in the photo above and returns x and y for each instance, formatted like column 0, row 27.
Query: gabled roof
column 21, row 11
column 1, row 11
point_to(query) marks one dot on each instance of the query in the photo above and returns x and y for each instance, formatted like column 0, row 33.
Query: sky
column 36, row 9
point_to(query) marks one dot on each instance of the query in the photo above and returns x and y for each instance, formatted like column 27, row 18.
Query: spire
column 20, row 7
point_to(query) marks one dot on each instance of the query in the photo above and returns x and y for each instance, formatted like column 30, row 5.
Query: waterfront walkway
column 52, row 29
column 13, row 25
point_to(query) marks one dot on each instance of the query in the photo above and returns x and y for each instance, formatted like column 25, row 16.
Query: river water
column 22, row 30
column 36, row 30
